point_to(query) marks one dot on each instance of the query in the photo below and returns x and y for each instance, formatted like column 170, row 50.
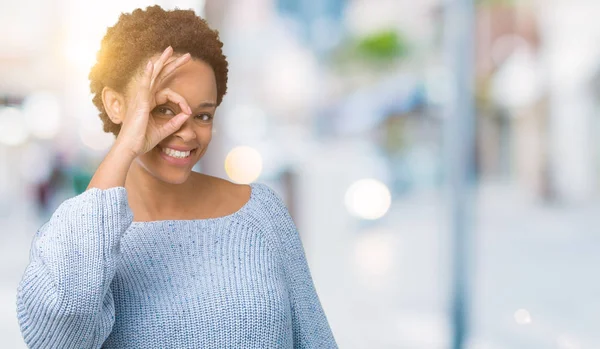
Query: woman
column 153, row 255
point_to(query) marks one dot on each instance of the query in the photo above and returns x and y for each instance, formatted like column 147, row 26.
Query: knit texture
column 98, row 279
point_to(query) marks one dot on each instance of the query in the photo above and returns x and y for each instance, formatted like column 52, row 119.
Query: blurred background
column 441, row 159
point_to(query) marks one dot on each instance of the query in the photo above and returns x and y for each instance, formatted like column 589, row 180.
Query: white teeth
column 176, row 153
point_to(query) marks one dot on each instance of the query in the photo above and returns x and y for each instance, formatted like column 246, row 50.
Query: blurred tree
column 379, row 51
column 380, row 48
column 384, row 45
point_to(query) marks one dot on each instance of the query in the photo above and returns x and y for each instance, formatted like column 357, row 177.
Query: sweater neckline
column 253, row 193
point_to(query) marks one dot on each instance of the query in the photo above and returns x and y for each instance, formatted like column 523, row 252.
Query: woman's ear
column 114, row 104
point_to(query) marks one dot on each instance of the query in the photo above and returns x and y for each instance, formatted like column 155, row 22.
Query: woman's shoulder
column 256, row 196
column 270, row 206
column 234, row 192
column 267, row 197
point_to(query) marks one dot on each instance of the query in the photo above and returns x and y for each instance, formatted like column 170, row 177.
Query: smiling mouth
column 177, row 154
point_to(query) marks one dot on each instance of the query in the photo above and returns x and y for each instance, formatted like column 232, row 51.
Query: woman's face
column 174, row 157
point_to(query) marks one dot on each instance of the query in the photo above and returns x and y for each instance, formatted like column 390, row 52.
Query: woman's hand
column 139, row 132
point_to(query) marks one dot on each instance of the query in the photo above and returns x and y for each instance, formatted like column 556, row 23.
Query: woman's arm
column 309, row 324
column 64, row 298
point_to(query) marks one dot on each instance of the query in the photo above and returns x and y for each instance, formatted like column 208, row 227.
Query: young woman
column 152, row 254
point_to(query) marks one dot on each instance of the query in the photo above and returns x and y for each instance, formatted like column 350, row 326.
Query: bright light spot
column 517, row 83
column 243, row 164
column 566, row 342
column 81, row 55
column 13, row 131
column 42, row 115
column 522, row 317
column 374, row 252
column 96, row 139
column 368, row 199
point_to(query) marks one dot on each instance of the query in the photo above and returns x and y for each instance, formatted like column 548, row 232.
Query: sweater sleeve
column 64, row 298
column 310, row 327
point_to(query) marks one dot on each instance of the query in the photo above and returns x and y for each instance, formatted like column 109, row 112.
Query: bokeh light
column 523, row 317
column 81, row 54
column 42, row 114
column 368, row 199
column 243, row 164
column 13, row 130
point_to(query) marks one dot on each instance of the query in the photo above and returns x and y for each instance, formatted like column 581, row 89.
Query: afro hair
column 139, row 35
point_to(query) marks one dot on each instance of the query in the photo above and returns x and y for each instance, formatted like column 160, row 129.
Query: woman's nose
column 186, row 132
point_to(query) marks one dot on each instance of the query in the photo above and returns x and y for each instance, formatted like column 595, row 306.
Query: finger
column 143, row 91
column 171, row 67
column 158, row 65
column 169, row 95
column 172, row 125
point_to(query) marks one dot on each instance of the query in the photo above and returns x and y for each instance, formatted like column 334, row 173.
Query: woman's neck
column 153, row 199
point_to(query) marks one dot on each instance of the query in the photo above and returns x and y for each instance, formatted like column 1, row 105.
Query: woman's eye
column 164, row 111
column 204, row 117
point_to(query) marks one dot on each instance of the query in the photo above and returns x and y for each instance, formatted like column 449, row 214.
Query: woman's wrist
column 122, row 152
column 112, row 171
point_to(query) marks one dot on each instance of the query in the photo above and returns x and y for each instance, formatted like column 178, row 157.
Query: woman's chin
column 164, row 171
column 171, row 174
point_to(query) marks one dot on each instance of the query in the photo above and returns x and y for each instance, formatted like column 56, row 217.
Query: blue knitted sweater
column 98, row 279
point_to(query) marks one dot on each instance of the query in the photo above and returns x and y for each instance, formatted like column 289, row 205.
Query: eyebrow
column 206, row 105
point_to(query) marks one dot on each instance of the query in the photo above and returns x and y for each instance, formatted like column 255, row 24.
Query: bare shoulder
column 230, row 190
column 227, row 197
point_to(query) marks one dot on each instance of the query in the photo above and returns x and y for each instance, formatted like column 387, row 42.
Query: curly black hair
column 141, row 34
